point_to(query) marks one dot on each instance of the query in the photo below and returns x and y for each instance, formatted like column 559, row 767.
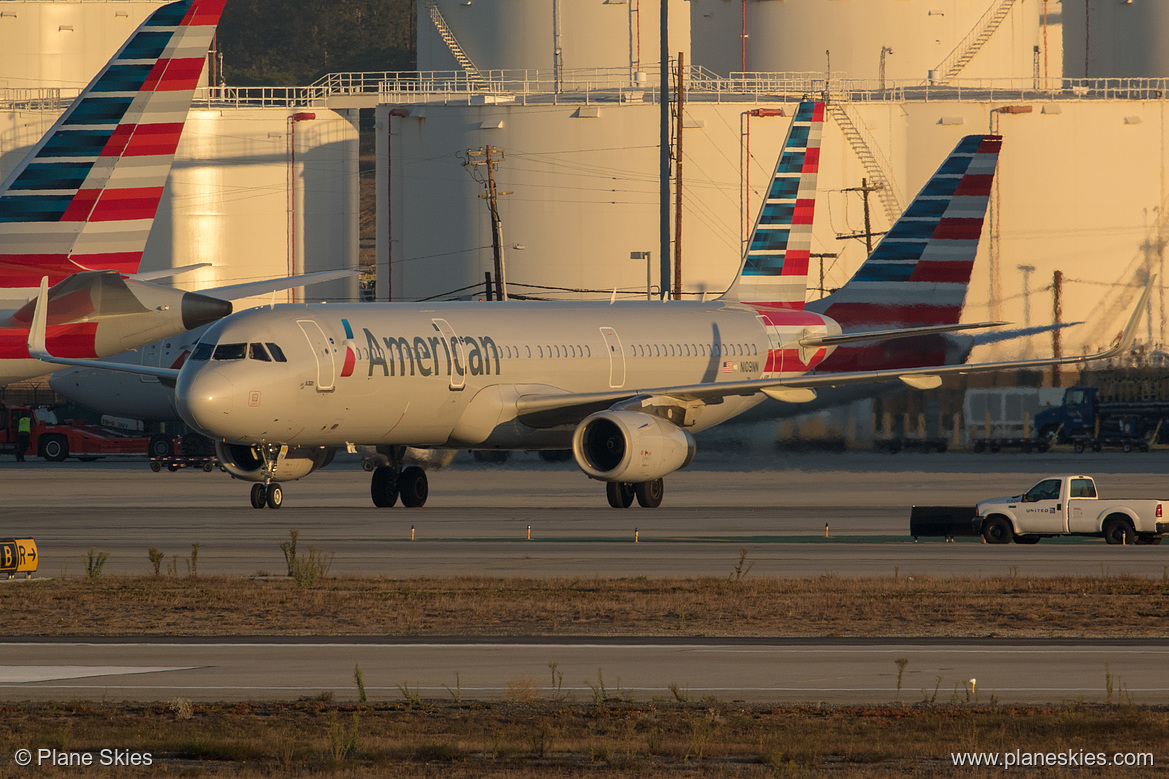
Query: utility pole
column 664, row 150
column 487, row 153
column 821, row 258
column 678, row 181
column 1057, row 320
column 868, row 234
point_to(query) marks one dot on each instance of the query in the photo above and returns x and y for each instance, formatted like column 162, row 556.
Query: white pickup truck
column 1069, row 506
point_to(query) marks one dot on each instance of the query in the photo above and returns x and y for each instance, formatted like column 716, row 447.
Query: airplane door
column 150, row 357
column 322, row 351
column 616, row 358
column 458, row 356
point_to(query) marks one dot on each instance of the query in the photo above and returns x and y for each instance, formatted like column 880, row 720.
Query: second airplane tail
column 919, row 273
column 85, row 196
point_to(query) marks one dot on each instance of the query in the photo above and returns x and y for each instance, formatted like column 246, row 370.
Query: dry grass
column 557, row 738
column 827, row 606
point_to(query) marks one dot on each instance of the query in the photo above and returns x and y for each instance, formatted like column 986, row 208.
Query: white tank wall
column 63, row 44
column 520, row 34
column 793, row 35
column 226, row 200
column 1120, row 39
column 585, row 196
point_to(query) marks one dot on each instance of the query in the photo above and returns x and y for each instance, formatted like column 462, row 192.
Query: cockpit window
column 202, row 352
column 258, row 352
column 277, row 353
column 230, row 351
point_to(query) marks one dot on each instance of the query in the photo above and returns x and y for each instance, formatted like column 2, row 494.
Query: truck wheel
column 1126, row 447
column 1119, row 529
column 54, row 448
column 978, row 447
column 1078, row 447
column 997, row 530
column 161, row 446
column 1148, row 539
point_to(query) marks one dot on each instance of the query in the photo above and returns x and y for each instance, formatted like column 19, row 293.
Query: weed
column 901, row 663
column 456, row 693
column 740, row 572
column 599, row 693
column 308, row 570
column 172, row 568
column 412, row 697
column 681, row 694
column 359, row 680
column 680, row 619
column 522, row 689
column 701, row 731
column 194, row 560
column 342, row 740
column 181, row 708
column 289, row 549
column 155, row 559
column 557, row 681
column 94, row 560
column 541, row 739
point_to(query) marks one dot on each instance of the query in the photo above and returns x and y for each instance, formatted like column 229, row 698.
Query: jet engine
column 630, row 446
column 247, row 464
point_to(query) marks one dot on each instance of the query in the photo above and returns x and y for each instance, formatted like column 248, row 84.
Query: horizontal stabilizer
column 889, row 335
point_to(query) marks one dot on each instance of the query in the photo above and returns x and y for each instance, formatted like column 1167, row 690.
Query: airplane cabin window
column 276, row 352
column 258, row 352
column 202, row 352
column 230, row 352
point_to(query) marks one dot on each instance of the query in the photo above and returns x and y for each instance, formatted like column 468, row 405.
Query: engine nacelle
column 245, row 463
column 629, row 446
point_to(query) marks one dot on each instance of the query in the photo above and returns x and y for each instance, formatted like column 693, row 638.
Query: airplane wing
column 237, row 291
column 545, row 410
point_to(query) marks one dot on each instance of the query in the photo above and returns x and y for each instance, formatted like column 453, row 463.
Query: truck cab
column 1068, row 505
column 1076, row 415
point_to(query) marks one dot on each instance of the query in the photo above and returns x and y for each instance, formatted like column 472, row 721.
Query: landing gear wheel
column 620, row 494
column 650, row 493
column 1117, row 531
column 413, row 487
column 383, row 487
column 259, row 496
column 275, row 496
column 997, row 530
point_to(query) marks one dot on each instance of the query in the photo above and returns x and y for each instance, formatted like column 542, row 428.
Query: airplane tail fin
column 774, row 272
column 918, row 274
column 85, row 196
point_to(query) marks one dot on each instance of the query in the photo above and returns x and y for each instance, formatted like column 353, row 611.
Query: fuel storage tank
column 1122, row 39
column 852, row 38
column 547, row 35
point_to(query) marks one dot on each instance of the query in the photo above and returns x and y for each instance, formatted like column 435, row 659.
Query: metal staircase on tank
column 969, row 46
column 448, row 37
column 873, row 166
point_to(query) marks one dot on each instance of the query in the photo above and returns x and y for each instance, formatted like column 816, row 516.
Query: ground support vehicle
column 1069, row 506
column 895, row 445
column 55, row 440
column 1088, row 417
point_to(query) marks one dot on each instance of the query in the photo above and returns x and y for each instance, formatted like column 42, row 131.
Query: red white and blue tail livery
column 86, row 195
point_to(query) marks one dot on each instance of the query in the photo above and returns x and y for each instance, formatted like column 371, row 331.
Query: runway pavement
column 764, row 671
column 477, row 518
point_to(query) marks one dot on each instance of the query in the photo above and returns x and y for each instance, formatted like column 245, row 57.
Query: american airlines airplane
column 625, row 384
column 78, row 208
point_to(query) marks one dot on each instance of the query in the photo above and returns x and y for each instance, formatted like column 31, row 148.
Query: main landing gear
column 649, row 494
column 391, row 482
column 270, row 495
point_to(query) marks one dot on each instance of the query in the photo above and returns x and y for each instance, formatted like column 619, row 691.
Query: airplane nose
column 205, row 401
column 199, row 310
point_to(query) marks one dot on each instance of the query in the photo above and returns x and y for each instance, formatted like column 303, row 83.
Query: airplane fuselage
column 451, row 374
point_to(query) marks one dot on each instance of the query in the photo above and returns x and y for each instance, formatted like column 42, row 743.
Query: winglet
column 37, row 347
column 1129, row 334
